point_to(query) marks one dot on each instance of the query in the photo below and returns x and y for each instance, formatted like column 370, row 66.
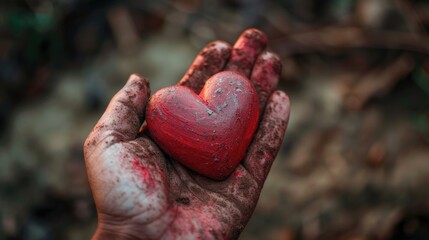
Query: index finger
column 209, row 61
column 246, row 50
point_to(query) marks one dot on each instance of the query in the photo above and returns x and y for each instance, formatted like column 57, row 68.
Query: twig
column 378, row 82
column 413, row 17
column 334, row 38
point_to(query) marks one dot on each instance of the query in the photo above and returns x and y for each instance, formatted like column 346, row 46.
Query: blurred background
column 355, row 160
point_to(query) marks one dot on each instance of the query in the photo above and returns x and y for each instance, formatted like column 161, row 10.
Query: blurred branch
column 413, row 16
column 123, row 28
column 335, row 38
column 378, row 82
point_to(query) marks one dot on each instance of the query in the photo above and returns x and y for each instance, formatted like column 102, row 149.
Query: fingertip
column 134, row 94
column 270, row 56
column 220, row 45
column 217, row 51
column 142, row 84
column 280, row 97
column 137, row 78
column 270, row 60
column 255, row 34
column 279, row 105
column 252, row 40
column 267, row 55
column 134, row 77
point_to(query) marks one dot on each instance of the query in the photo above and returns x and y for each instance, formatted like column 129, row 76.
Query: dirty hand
column 140, row 193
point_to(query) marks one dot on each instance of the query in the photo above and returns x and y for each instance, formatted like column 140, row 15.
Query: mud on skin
column 142, row 194
column 265, row 75
column 209, row 61
column 245, row 50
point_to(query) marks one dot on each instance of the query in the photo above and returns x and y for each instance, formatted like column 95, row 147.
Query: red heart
column 209, row 133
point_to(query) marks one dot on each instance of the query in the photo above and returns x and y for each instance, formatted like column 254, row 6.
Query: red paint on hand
column 146, row 175
column 210, row 132
column 238, row 174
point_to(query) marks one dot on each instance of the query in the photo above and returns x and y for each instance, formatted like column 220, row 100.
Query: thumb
column 123, row 117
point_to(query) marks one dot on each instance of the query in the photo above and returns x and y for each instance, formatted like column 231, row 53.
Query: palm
column 162, row 192
column 135, row 184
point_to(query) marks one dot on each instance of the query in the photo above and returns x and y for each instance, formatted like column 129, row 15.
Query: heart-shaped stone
column 210, row 132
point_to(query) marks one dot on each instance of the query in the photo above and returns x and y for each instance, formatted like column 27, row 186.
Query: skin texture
column 142, row 194
column 210, row 132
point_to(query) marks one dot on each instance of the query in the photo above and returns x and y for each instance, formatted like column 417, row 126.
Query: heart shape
column 210, row 132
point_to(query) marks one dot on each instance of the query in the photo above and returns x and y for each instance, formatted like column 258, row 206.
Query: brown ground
column 355, row 160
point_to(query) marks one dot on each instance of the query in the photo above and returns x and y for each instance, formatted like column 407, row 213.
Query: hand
column 140, row 193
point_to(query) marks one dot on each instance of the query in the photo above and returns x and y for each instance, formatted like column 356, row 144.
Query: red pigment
column 147, row 179
column 238, row 174
column 210, row 132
